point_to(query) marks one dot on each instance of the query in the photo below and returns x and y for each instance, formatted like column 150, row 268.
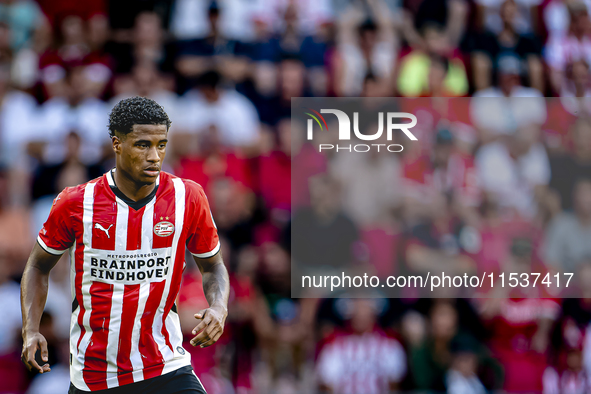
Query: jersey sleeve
column 202, row 240
column 56, row 235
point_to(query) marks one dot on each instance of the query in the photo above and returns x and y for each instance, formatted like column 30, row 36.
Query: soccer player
column 126, row 233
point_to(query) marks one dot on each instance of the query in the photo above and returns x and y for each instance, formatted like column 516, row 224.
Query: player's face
column 142, row 152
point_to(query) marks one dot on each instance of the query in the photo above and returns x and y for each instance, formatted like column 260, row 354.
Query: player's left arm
column 204, row 244
column 216, row 286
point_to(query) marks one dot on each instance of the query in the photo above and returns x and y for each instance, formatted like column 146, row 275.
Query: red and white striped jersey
column 126, row 270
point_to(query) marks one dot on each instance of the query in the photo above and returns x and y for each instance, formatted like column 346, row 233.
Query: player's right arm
column 54, row 239
column 34, row 287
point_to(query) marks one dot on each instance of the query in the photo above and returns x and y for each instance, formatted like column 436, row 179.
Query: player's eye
column 162, row 146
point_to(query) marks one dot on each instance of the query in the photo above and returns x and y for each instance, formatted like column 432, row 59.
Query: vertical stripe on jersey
column 153, row 361
column 117, row 298
column 82, row 288
column 176, row 269
column 95, row 357
column 128, row 312
column 137, row 358
column 101, row 354
column 151, row 345
column 134, row 229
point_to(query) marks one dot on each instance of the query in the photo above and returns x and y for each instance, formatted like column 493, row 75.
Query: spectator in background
column 83, row 9
column 503, row 109
column 211, row 105
column 146, row 43
column 214, row 163
column 509, row 68
column 562, row 50
column 524, row 19
column 570, row 370
column 215, row 50
column 439, row 242
column 50, row 178
column 18, row 112
column 326, row 235
column 451, row 15
column 25, row 20
column 462, row 375
column 576, row 82
column 99, row 63
column 415, row 67
column 362, row 357
column 289, row 38
column 237, row 18
column 370, row 183
column 445, row 169
column 438, row 71
column 274, row 169
column 292, row 31
column 556, row 15
column 288, row 79
column 296, row 37
column 68, row 49
column 445, row 348
column 77, row 109
column 148, row 81
column 311, row 14
column 520, row 321
column 78, row 42
column 285, row 330
column 568, row 235
column 13, row 378
column 569, row 167
column 363, row 48
column 515, row 170
column 490, row 47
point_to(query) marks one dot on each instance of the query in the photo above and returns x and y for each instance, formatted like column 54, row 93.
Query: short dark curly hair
column 136, row 110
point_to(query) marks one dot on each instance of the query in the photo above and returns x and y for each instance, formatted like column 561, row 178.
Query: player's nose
column 153, row 155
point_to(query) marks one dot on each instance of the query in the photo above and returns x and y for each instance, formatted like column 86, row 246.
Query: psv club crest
column 163, row 228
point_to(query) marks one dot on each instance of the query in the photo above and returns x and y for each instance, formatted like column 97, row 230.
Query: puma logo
column 106, row 230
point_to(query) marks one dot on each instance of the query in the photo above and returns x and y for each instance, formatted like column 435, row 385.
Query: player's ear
column 116, row 141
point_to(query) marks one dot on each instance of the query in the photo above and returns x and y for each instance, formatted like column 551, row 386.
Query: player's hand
column 211, row 327
column 32, row 342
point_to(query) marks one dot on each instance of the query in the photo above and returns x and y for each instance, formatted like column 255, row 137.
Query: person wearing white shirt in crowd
column 563, row 49
column 232, row 114
column 76, row 111
column 189, row 18
column 238, row 17
column 503, row 109
column 18, row 111
column 515, row 169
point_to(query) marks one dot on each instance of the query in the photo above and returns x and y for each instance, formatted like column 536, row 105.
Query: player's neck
column 132, row 189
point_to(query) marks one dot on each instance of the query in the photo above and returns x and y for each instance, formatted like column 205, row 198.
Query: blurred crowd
column 499, row 180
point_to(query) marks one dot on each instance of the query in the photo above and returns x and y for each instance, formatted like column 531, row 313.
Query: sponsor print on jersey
column 164, row 229
column 130, row 268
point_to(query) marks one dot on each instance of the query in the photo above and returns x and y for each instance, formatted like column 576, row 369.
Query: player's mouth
column 152, row 171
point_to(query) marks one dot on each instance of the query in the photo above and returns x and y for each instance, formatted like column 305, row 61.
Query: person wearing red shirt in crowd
column 519, row 321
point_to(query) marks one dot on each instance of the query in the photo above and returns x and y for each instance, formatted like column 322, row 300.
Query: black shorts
column 181, row 381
